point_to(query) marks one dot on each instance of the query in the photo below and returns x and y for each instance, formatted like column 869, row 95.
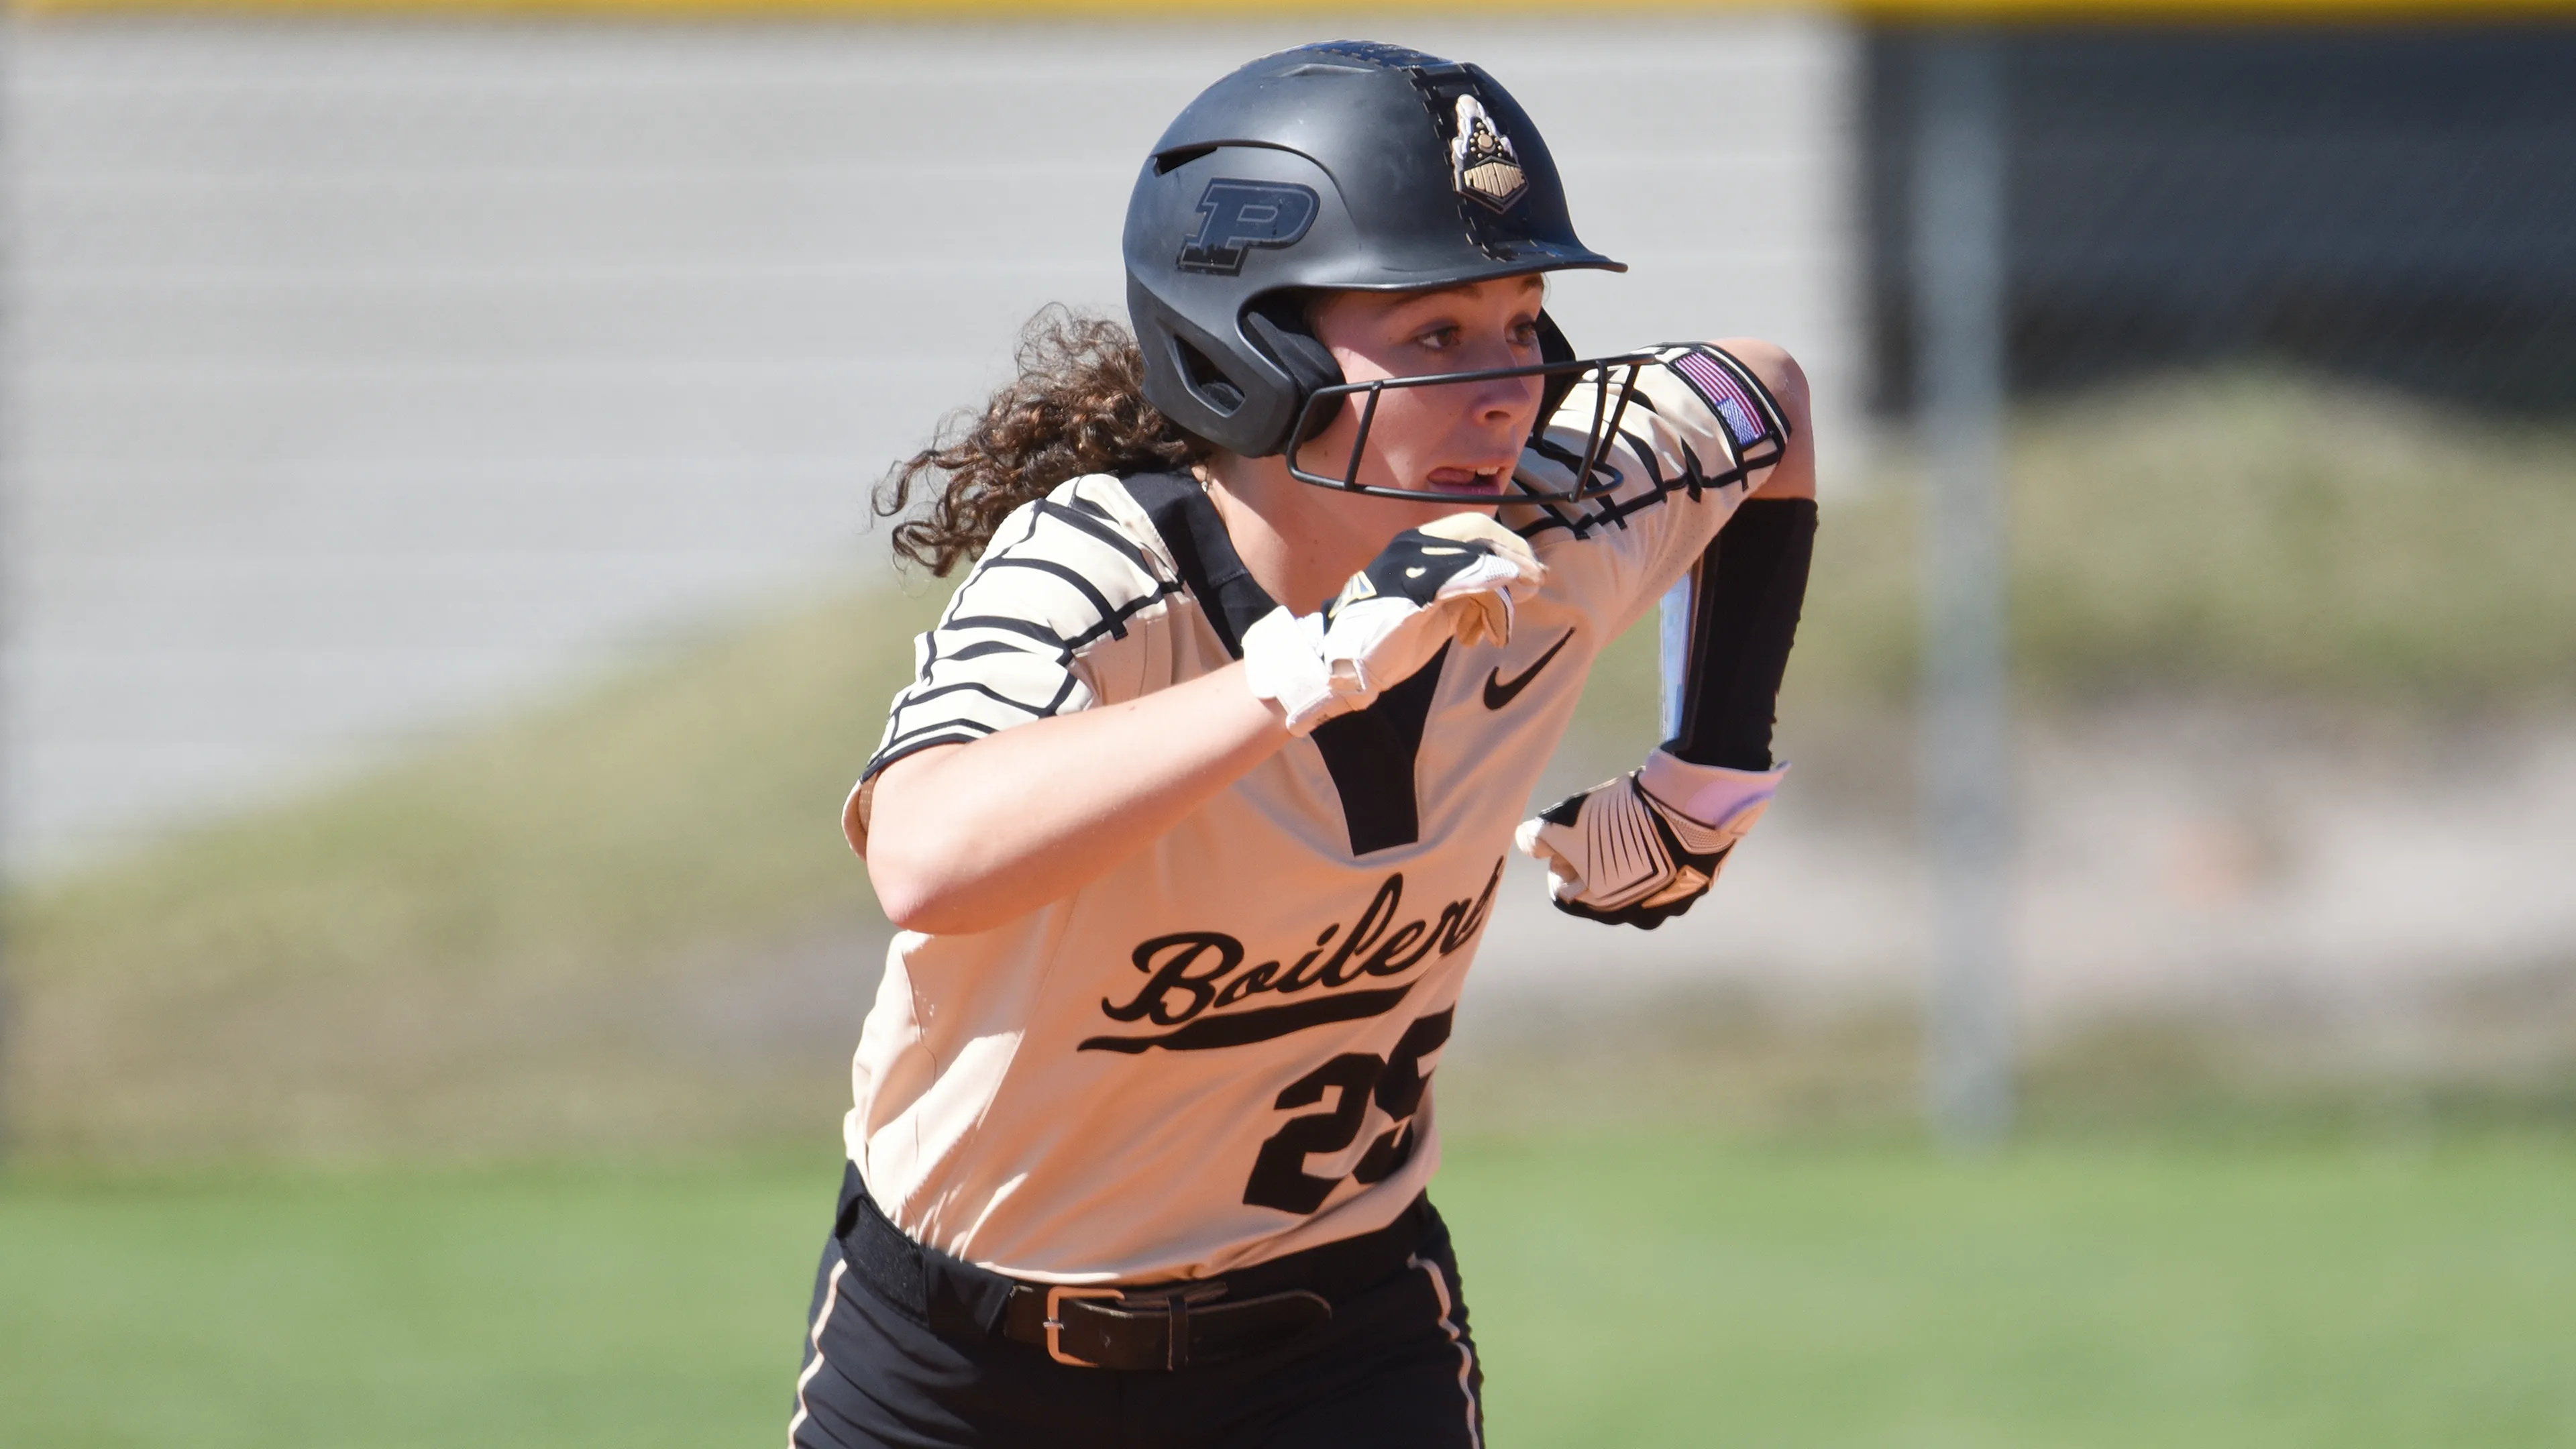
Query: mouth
column 1468, row 480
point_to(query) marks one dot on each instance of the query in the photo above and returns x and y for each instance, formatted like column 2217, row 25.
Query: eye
column 1525, row 332
column 1438, row 339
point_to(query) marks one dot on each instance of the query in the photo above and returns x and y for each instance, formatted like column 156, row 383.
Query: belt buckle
column 1056, row 1295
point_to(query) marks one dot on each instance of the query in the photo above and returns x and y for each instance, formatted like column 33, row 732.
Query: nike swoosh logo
column 1499, row 694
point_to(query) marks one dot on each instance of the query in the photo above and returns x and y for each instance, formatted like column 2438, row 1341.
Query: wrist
column 1715, row 796
column 1284, row 667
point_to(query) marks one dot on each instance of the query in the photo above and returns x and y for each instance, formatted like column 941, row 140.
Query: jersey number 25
column 1279, row 1176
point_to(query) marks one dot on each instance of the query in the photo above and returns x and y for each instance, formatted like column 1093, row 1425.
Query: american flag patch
column 1719, row 389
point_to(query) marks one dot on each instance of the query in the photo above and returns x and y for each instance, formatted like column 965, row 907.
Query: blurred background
column 442, row 620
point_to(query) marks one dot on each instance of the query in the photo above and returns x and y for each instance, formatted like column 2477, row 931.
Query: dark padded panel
column 1205, row 555
column 1371, row 754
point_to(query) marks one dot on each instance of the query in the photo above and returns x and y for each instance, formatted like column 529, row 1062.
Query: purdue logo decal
column 1482, row 158
column 1236, row 216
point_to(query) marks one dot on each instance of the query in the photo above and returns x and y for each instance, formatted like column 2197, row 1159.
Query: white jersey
column 1221, row 1050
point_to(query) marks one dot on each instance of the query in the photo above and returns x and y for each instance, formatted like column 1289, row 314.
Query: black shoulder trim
column 911, row 700
column 1095, row 522
column 1209, row 566
column 1608, row 512
column 1005, row 624
column 978, row 651
column 1090, row 591
column 954, row 732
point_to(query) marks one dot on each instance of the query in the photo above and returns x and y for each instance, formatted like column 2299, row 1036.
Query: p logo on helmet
column 1236, row 216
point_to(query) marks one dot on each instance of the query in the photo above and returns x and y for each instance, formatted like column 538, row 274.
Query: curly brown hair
column 1077, row 407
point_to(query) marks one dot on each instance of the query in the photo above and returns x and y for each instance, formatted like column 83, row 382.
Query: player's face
column 1456, row 438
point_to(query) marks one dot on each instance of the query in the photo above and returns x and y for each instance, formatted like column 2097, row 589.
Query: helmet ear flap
column 1552, row 347
column 1278, row 326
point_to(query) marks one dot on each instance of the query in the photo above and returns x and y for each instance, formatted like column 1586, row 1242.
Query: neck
column 1300, row 543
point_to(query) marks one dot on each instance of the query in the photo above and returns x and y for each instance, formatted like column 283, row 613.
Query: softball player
column 1194, row 813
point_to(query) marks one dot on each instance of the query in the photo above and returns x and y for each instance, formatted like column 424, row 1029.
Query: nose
column 1500, row 399
column 1521, row 397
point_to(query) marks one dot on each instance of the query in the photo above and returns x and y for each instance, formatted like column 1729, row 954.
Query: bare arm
column 965, row 837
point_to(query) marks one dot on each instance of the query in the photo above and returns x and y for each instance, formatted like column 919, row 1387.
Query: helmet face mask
column 1347, row 166
column 1610, row 381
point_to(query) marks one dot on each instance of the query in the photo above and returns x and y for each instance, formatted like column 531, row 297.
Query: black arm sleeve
column 1752, row 581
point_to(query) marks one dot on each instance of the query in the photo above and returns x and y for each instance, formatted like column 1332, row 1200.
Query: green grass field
column 1661, row 1291
column 245, row 1063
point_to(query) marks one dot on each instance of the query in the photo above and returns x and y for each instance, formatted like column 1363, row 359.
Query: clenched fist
column 1453, row 578
column 1641, row 849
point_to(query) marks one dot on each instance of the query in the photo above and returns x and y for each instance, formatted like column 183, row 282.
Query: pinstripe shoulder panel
column 1063, row 575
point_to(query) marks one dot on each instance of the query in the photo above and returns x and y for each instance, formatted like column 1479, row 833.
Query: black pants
column 1393, row 1367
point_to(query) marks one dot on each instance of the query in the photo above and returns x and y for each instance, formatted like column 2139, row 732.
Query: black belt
column 1170, row 1326
column 1148, row 1326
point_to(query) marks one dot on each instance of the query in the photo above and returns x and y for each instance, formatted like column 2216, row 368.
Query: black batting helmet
column 1344, row 165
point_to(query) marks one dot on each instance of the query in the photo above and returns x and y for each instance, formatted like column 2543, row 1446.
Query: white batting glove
column 1643, row 848
column 1453, row 578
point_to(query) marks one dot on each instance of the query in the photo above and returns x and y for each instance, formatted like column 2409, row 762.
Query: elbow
column 912, row 865
column 1779, row 372
column 908, row 901
column 1794, row 474
column 937, row 896
column 914, row 895
column 907, row 886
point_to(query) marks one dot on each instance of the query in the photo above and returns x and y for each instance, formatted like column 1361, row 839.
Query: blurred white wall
column 365, row 377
